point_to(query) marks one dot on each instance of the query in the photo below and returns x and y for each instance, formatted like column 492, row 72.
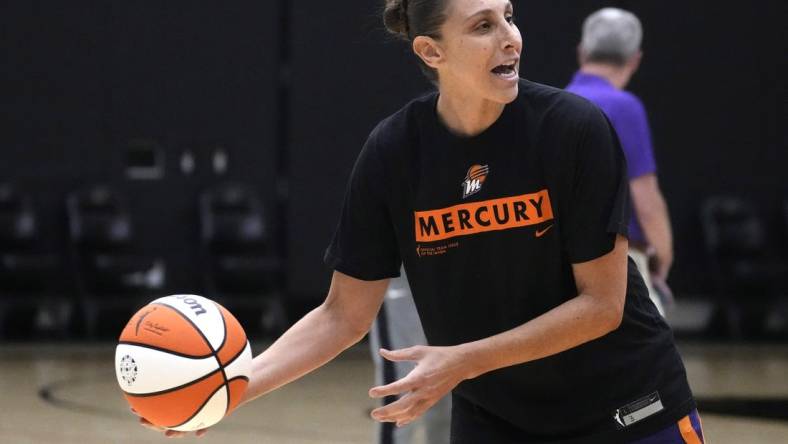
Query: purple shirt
column 628, row 117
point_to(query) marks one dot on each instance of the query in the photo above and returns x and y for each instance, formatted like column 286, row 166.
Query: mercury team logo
column 474, row 179
column 471, row 218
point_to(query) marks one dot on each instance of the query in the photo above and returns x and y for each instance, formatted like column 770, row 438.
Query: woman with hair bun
column 506, row 202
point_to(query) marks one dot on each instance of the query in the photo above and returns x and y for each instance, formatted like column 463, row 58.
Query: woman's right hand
column 167, row 432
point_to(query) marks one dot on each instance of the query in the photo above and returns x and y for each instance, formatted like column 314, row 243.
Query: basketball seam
column 205, row 338
column 219, row 361
column 214, row 353
column 237, row 355
column 162, row 392
column 224, row 326
column 162, row 349
column 202, row 335
column 233, row 359
column 235, row 378
column 204, row 403
column 245, row 378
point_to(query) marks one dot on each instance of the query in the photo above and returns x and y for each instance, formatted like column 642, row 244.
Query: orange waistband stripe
column 688, row 432
column 478, row 217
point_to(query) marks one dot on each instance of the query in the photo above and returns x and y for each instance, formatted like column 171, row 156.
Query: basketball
column 183, row 362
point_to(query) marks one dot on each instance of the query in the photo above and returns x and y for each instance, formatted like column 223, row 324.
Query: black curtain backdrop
column 83, row 79
column 291, row 89
column 347, row 75
column 712, row 80
column 196, row 77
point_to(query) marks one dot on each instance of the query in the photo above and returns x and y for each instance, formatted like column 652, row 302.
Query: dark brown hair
column 408, row 19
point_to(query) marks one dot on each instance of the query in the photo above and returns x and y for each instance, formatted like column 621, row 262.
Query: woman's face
column 481, row 47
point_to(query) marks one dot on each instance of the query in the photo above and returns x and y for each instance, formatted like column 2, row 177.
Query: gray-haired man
column 609, row 54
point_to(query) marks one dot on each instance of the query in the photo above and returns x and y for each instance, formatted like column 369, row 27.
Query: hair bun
column 395, row 17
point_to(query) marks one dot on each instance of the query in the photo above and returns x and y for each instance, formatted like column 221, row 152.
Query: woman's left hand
column 438, row 370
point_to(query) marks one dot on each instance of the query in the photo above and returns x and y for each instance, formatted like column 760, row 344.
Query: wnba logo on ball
column 474, row 179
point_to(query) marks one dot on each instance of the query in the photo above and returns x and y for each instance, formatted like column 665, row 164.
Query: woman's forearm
column 317, row 338
column 573, row 323
column 596, row 311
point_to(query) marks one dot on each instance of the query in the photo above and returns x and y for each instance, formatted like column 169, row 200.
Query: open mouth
column 506, row 70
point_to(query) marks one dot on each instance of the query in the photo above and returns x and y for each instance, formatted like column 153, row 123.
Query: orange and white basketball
column 183, row 362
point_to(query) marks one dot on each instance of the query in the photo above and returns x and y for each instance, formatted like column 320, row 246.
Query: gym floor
column 61, row 393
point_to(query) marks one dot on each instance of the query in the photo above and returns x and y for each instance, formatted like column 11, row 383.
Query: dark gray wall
column 347, row 75
column 292, row 88
column 82, row 79
column 712, row 80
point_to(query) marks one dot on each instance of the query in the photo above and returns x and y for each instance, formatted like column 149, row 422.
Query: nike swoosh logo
column 540, row 233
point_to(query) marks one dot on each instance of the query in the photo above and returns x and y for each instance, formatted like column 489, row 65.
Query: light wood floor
column 328, row 406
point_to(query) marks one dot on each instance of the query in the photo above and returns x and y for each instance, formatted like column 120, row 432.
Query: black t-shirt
column 488, row 228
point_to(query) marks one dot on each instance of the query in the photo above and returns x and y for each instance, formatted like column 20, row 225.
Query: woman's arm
column 341, row 321
column 596, row 311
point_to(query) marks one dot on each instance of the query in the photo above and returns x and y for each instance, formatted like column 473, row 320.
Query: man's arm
column 596, row 311
column 341, row 321
column 652, row 215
